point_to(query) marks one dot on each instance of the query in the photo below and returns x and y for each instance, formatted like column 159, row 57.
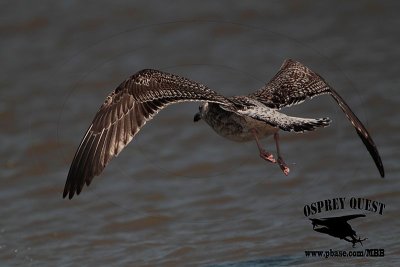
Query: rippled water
column 179, row 194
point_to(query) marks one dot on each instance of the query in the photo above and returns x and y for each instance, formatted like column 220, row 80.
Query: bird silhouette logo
column 338, row 227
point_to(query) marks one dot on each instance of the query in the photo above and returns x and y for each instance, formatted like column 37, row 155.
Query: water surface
column 181, row 195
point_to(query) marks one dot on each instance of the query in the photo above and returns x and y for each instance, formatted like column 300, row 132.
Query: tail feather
column 303, row 124
column 283, row 121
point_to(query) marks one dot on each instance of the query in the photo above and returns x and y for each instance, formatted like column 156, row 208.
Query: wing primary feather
column 134, row 122
column 97, row 168
column 92, row 159
column 139, row 115
column 84, row 167
column 146, row 109
column 102, row 159
column 128, row 127
column 361, row 131
column 111, row 142
column 119, row 132
column 75, row 164
column 152, row 106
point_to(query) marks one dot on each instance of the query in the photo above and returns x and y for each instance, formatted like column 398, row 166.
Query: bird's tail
column 283, row 121
column 296, row 124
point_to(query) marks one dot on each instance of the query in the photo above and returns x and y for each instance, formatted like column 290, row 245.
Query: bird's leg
column 361, row 240
column 263, row 154
column 281, row 162
column 357, row 240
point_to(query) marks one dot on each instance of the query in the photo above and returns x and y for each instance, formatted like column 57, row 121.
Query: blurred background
column 179, row 194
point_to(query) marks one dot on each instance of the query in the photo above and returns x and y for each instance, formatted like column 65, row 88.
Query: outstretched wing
column 294, row 83
column 344, row 218
column 124, row 112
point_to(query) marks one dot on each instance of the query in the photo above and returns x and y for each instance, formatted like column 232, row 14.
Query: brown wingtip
column 66, row 189
column 369, row 144
column 361, row 131
column 71, row 194
column 68, row 192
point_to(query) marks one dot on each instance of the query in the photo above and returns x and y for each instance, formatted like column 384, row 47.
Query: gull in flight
column 239, row 118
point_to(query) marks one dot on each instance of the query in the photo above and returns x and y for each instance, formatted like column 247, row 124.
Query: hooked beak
column 197, row 117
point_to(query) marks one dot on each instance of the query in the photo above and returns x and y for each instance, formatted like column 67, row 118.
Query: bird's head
column 202, row 109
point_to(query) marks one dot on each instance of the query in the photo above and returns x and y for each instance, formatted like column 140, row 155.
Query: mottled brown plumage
column 124, row 112
column 241, row 118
